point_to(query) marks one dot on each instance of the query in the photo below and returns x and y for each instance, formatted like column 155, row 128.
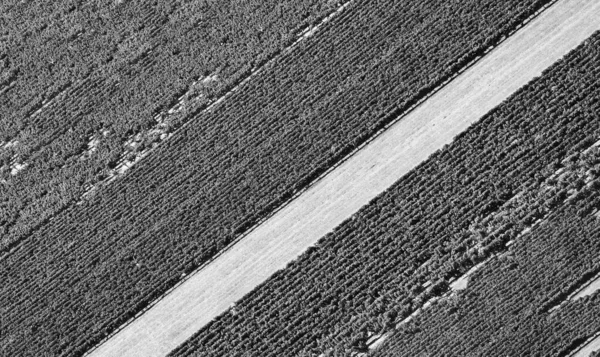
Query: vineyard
column 510, row 293
column 113, row 88
column 529, row 157
column 62, row 151
column 138, row 140
column 181, row 205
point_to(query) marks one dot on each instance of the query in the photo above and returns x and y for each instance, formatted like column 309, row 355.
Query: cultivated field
column 525, row 163
column 311, row 178
column 104, row 260
column 121, row 76
column 343, row 191
column 499, row 313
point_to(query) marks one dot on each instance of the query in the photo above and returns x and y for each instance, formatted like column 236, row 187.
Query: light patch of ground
column 191, row 96
column 92, row 147
column 425, row 306
column 377, row 342
column 592, row 346
column 594, row 145
column 7, row 87
column 17, row 167
column 88, row 191
column 7, row 80
column 126, row 165
column 525, row 231
column 589, row 289
column 352, row 184
column 10, row 144
column 311, row 30
column 462, row 282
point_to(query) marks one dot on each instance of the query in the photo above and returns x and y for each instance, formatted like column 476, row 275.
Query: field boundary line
column 395, row 118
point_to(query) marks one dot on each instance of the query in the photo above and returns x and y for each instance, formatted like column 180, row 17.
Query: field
column 506, row 296
column 335, row 166
column 333, row 199
column 84, row 102
column 521, row 162
column 104, row 260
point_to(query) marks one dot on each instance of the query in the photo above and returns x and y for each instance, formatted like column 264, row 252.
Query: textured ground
column 351, row 185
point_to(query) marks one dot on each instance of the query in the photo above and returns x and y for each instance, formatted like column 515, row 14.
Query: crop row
column 111, row 82
column 95, row 265
column 518, row 164
column 500, row 313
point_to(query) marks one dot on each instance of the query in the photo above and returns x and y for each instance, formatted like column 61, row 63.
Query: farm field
column 524, row 176
column 88, row 89
column 303, row 178
column 86, row 270
column 498, row 314
column 354, row 183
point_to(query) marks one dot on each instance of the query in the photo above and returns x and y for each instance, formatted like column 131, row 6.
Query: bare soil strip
column 322, row 207
column 592, row 345
column 588, row 289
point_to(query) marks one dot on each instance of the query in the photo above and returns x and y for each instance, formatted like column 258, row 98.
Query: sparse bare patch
column 17, row 167
column 10, row 144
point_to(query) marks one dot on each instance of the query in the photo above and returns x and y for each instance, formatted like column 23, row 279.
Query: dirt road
column 588, row 348
column 343, row 191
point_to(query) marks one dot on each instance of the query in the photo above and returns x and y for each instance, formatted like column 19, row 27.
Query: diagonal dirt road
column 591, row 346
column 285, row 235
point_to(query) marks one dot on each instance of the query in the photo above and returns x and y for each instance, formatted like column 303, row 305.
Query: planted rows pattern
column 430, row 227
column 95, row 265
column 84, row 91
column 500, row 313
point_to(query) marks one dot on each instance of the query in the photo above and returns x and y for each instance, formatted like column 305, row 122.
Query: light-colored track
column 374, row 168
column 592, row 345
